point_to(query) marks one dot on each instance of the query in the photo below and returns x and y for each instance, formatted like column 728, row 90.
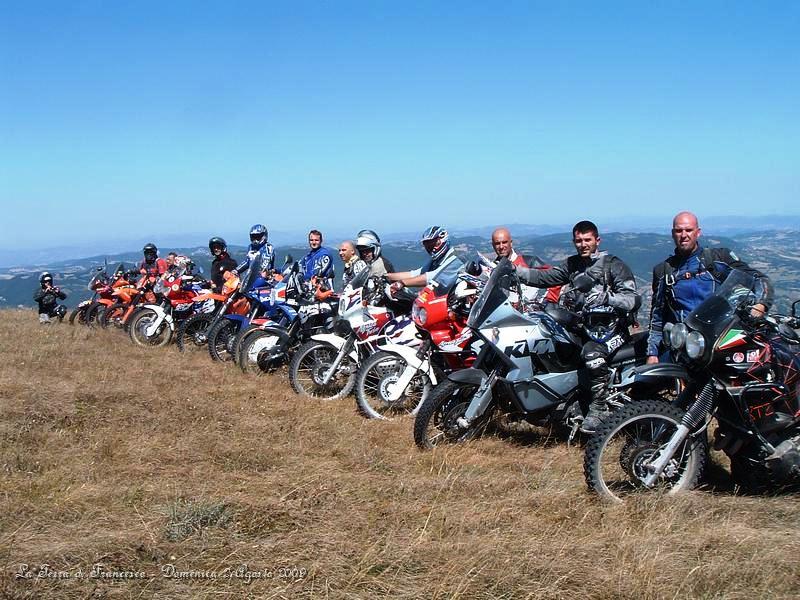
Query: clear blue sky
column 129, row 119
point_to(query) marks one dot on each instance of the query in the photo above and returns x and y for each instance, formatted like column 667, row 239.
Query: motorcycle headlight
column 667, row 333
column 677, row 336
column 420, row 315
column 695, row 344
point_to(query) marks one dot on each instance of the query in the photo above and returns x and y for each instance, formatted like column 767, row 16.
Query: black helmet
column 150, row 252
column 45, row 277
column 217, row 242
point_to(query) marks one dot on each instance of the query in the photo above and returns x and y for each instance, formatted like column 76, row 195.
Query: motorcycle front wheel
column 373, row 386
column 437, row 418
column 260, row 351
column 191, row 335
column 140, row 321
column 618, row 456
column 112, row 316
column 220, row 339
column 309, row 365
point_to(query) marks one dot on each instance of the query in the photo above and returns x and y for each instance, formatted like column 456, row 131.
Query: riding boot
column 595, row 355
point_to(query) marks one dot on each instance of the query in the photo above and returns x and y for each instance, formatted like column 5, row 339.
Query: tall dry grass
column 137, row 459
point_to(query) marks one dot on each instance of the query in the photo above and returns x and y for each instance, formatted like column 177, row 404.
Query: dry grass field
column 129, row 472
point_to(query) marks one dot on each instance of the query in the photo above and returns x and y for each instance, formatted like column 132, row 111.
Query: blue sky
column 122, row 120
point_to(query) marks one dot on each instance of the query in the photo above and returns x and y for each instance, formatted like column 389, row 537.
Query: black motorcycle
column 743, row 372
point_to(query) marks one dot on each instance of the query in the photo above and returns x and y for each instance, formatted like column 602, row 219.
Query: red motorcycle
column 397, row 379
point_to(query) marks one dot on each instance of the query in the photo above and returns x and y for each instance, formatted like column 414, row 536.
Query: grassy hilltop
column 137, row 459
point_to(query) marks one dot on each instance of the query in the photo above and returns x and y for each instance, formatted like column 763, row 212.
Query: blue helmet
column 436, row 241
column 258, row 236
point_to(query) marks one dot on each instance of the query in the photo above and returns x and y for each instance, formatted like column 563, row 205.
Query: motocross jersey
column 681, row 284
column 157, row 267
column 319, row 263
column 352, row 268
column 265, row 254
column 445, row 268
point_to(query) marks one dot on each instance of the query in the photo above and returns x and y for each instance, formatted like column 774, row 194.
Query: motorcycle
column 180, row 294
column 398, row 378
column 743, row 372
column 326, row 365
column 99, row 280
column 127, row 299
column 298, row 312
column 528, row 368
column 191, row 333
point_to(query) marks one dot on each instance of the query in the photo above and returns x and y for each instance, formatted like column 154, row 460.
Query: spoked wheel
column 78, row 315
column 375, row 394
column 310, row 364
column 112, row 316
column 619, row 454
column 261, row 350
column 192, row 334
column 141, row 322
column 437, row 419
column 220, row 339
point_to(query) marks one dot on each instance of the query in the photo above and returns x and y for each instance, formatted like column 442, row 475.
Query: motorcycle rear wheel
column 618, row 454
column 308, row 366
column 140, row 321
column 436, row 420
column 374, row 375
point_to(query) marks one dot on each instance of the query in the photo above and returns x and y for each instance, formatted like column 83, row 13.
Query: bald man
column 504, row 247
column 683, row 281
column 353, row 265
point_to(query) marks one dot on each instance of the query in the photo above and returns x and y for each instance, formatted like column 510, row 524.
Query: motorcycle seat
column 636, row 346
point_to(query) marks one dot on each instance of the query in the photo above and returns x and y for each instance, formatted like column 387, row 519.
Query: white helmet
column 368, row 239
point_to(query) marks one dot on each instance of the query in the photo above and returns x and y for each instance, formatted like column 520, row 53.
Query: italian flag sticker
column 735, row 337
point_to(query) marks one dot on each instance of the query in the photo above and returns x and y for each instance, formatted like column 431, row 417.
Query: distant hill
column 775, row 252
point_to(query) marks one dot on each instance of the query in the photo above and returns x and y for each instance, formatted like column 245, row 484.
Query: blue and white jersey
column 318, row 263
column 444, row 269
column 265, row 255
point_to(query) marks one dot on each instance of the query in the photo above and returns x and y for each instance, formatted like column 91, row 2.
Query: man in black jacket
column 47, row 297
column 613, row 292
column 683, row 281
column 222, row 262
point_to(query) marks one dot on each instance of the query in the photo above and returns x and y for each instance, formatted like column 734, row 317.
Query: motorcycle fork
column 343, row 351
column 397, row 388
column 480, row 401
column 697, row 412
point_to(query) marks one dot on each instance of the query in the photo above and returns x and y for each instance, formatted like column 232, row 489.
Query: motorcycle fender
column 409, row 355
column 652, row 373
column 241, row 318
column 335, row 341
column 162, row 316
column 84, row 303
column 469, row 376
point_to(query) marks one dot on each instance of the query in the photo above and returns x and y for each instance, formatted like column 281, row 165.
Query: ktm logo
column 521, row 348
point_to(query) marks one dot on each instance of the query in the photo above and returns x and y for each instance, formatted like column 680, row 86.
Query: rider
column 170, row 260
column 261, row 250
column 222, row 262
column 318, row 263
column 443, row 262
column 47, row 297
column 683, row 281
column 152, row 265
column 353, row 265
column 504, row 247
column 613, row 289
column 368, row 245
